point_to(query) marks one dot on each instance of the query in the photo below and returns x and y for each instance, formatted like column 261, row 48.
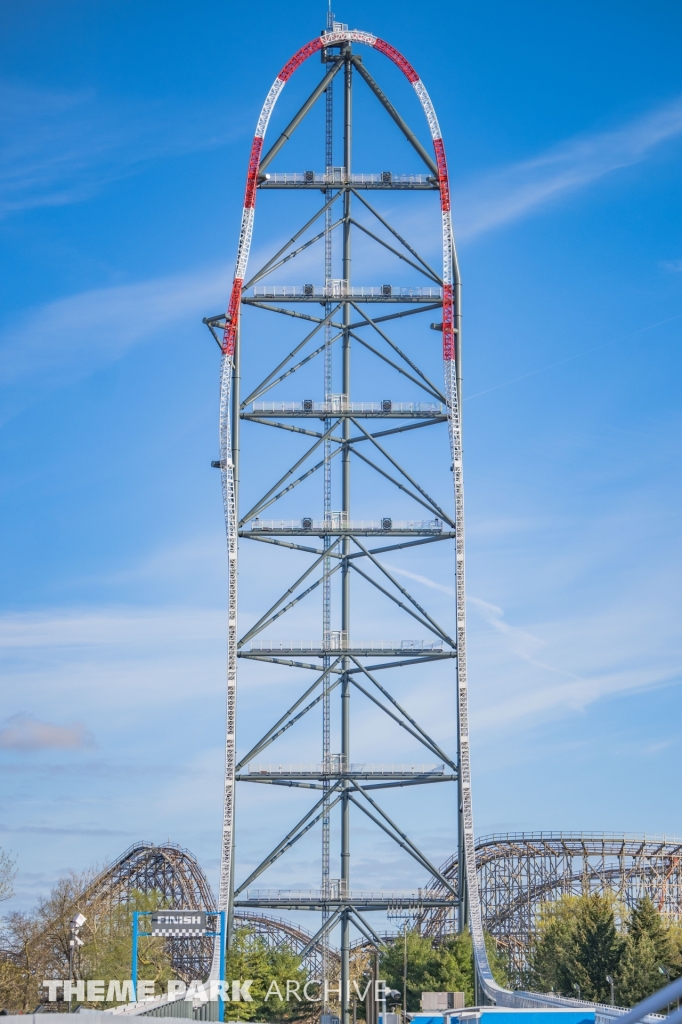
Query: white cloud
column 513, row 192
column 26, row 733
column 66, row 340
column 106, row 659
column 528, row 675
column 444, row 588
column 62, row 147
column 620, row 649
column 108, row 627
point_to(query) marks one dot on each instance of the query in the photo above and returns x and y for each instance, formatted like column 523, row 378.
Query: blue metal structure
column 220, row 935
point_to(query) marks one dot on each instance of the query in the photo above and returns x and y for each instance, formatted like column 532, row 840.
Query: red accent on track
column 252, row 176
column 306, row 51
column 232, row 316
column 397, row 58
column 448, row 323
column 442, row 174
column 252, row 180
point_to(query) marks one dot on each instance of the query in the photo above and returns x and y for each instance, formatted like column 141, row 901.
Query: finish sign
column 178, row 922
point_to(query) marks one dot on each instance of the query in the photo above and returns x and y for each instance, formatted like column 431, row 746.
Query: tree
column 444, row 967
column 675, row 935
column 648, row 947
column 250, row 957
column 577, row 944
column 35, row 946
column 548, row 956
column 107, row 947
column 7, row 872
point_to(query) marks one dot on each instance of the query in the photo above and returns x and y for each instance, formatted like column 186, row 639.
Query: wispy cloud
column 106, row 627
column 513, row 192
column 444, row 588
column 526, row 676
column 62, row 147
column 103, row 657
column 48, row 830
column 26, row 733
column 66, row 340
column 522, row 643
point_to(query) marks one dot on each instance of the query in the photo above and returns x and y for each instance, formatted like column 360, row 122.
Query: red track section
column 314, row 46
column 397, row 59
column 306, row 51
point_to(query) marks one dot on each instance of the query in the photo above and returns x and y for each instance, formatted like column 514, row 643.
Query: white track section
column 489, row 986
column 229, row 506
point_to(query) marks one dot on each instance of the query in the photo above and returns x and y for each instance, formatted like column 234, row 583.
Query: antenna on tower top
column 330, row 15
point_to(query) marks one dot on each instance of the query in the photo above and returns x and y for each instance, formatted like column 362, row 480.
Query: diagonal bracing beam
column 290, row 605
column 387, row 711
column 398, row 837
column 257, row 390
column 393, row 316
column 395, row 233
column 399, row 468
column 386, row 103
column 373, row 323
column 293, row 369
column 267, row 266
column 296, row 120
column 294, row 720
column 400, row 255
column 376, row 352
column 260, row 505
column 296, row 252
column 262, row 741
column 382, row 590
column 431, row 742
column 441, row 632
column 362, row 925
column 326, row 927
column 434, row 510
column 292, row 837
column 430, row 867
column 263, row 619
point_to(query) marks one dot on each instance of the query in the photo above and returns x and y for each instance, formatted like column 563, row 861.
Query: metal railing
column 423, row 408
column 338, row 645
column 339, row 290
column 355, row 895
column 380, row 525
column 338, row 176
column 336, row 767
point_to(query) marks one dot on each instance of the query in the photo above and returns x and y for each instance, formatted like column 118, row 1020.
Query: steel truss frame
column 344, row 438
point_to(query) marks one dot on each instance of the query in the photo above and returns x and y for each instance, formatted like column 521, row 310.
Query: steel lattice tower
column 342, row 433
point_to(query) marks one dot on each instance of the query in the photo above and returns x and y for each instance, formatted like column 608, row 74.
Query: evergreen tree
column 598, row 947
column 548, row 969
column 646, row 920
column 648, row 947
column 250, row 957
column 444, row 967
column 577, row 944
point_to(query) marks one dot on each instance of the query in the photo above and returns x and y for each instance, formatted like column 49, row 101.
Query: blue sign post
column 182, row 931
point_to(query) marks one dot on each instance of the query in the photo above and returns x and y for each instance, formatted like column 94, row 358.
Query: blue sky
column 126, row 133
